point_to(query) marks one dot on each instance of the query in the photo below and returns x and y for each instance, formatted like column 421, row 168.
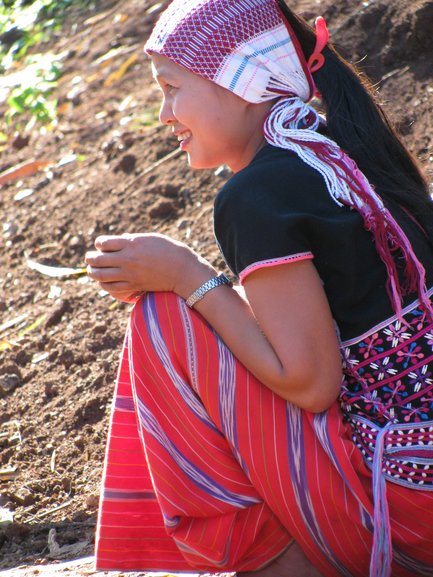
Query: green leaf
column 15, row 103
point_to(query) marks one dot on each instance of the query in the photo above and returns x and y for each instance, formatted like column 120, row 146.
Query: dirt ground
column 107, row 171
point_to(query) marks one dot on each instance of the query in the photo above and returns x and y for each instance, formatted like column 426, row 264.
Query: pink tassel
column 388, row 235
column 292, row 124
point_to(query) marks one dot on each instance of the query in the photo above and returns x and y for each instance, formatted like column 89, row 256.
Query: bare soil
column 60, row 338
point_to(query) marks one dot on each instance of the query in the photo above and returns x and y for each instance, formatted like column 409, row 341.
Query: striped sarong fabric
column 208, row 470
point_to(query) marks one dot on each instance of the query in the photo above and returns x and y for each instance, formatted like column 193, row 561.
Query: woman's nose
column 166, row 115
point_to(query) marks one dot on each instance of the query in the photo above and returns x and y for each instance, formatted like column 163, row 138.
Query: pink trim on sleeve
column 273, row 262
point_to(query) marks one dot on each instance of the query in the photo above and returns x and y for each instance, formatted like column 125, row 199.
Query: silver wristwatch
column 206, row 287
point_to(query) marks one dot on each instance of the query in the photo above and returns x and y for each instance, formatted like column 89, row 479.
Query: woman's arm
column 284, row 334
column 289, row 342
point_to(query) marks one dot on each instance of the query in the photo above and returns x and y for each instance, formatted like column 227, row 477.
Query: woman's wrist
column 193, row 274
column 209, row 285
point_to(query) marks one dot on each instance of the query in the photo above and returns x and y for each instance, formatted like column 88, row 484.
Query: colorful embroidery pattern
column 407, row 452
column 389, row 373
column 389, row 383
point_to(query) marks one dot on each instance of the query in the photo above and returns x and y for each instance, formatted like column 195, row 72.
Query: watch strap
column 214, row 282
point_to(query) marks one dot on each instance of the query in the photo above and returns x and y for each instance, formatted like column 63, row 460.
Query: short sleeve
column 264, row 215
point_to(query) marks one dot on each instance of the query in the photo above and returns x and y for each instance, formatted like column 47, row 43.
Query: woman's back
column 279, row 208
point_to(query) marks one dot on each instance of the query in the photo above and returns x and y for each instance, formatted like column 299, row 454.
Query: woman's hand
column 131, row 264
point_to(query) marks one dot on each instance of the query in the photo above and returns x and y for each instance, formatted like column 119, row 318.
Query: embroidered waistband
column 406, row 449
column 402, row 454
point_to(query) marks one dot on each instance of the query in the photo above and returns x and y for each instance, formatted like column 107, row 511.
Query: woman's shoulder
column 275, row 176
column 272, row 163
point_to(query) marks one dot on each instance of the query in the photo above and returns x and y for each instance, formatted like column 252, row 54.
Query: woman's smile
column 213, row 125
column 184, row 138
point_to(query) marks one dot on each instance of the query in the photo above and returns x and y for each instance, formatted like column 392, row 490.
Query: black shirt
column 278, row 207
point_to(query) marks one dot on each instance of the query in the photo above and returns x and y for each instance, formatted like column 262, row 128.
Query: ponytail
column 361, row 128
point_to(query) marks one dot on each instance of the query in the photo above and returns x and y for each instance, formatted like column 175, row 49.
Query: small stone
column 75, row 94
column 77, row 242
column 20, row 141
column 10, row 229
column 67, row 358
column 183, row 223
column 6, row 517
column 66, row 484
column 22, row 358
column 99, row 381
column 84, row 372
column 126, row 164
column 99, row 329
column 24, row 497
column 162, row 209
column 92, row 501
column 57, row 312
column 10, row 382
column 79, row 442
column 168, row 190
column 50, row 390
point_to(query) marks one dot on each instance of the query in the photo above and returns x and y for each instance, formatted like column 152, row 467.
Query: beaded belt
column 406, row 450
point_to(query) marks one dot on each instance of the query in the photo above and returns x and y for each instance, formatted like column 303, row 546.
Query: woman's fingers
column 111, row 243
column 102, row 259
column 125, row 295
column 107, row 260
column 116, row 287
column 104, row 274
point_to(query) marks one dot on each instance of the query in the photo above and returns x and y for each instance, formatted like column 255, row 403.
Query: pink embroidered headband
column 243, row 45
column 248, row 47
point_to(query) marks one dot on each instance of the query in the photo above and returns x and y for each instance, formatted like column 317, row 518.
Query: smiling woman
column 281, row 431
column 213, row 125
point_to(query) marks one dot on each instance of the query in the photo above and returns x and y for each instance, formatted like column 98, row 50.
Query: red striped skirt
column 208, row 470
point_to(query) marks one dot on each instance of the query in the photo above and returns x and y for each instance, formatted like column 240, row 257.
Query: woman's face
column 212, row 124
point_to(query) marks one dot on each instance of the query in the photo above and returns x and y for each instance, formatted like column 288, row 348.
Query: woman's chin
column 200, row 163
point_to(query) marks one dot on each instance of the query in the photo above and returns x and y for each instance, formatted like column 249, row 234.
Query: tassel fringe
column 292, row 124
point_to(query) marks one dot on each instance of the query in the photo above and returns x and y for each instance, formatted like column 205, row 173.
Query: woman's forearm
column 296, row 376
column 284, row 333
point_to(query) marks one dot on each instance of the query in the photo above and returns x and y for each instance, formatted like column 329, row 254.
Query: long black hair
column 361, row 128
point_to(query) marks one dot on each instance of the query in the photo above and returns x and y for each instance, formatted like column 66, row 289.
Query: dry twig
column 53, row 510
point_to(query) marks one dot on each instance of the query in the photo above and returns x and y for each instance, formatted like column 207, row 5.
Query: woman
column 289, row 430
